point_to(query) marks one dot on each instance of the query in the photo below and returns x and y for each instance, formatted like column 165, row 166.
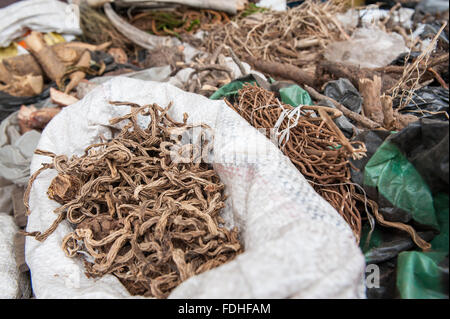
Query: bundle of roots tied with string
column 145, row 207
column 320, row 151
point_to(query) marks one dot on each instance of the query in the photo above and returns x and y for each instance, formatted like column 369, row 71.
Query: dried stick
column 285, row 71
column 363, row 121
column 47, row 58
column 371, row 91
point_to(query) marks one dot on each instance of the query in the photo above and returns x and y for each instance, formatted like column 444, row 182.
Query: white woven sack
column 296, row 244
column 37, row 15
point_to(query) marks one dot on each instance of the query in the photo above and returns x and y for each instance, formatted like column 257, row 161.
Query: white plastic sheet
column 376, row 48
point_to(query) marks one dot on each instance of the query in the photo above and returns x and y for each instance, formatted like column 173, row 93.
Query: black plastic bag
column 344, row 92
column 9, row 104
column 426, row 102
column 404, row 58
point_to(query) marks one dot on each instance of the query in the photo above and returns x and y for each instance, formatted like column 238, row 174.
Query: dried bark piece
column 24, row 64
column 119, row 55
column 371, row 92
column 24, row 116
column 47, row 58
column 388, row 112
column 403, row 120
column 40, row 118
column 64, row 188
column 61, row 98
column 286, row 71
column 27, row 85
column 77, row 76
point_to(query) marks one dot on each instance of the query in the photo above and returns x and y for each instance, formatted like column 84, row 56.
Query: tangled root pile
column 142, row 210
column 314, row 147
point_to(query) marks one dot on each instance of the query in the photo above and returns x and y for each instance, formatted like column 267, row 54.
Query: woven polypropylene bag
column 296, row 244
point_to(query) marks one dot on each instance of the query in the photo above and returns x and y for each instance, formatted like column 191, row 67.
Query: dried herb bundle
column 313, row 147
column 319, row 150
column 144, row 206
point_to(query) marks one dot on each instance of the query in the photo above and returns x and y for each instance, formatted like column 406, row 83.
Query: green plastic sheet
column 400, row 183
column 229, row 89
column 419, row 275
column 295, row 96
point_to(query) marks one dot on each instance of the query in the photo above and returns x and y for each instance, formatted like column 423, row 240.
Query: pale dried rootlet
column 296, row 36
column 143, row 205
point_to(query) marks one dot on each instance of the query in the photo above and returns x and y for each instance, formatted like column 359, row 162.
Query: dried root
column 144, row 206
column 320, row 151
column 295, row 36
column 314, row 146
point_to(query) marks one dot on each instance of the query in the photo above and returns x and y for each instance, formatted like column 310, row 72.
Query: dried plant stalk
column 412, row 73
column 145, row 207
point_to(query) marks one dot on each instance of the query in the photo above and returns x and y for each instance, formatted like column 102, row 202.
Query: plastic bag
column 404, row 171
column 344, row 92
column 423, row 275
column 404, row 58
column 295, row 96
column 427, row 102
column 410, row 170
column 276, row 5
column 296, row 244
column 376, row 48
column 369, row 15
column 432, row 6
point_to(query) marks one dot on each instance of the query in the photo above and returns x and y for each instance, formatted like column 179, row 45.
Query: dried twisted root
column 144, row 206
